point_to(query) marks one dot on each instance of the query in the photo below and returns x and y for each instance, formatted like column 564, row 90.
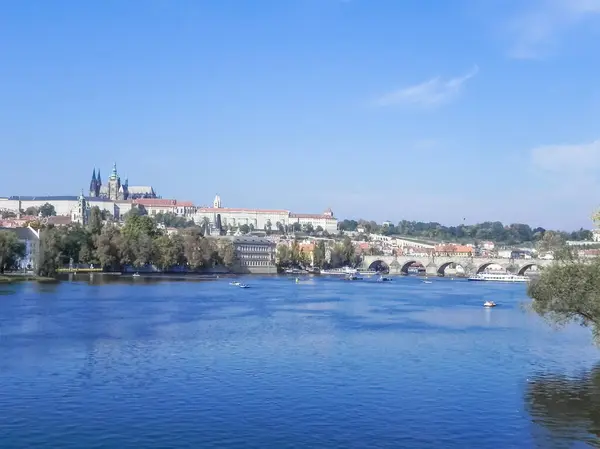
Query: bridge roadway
column 437, row 265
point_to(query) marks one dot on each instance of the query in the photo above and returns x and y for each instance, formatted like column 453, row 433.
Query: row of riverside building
column 77, row 208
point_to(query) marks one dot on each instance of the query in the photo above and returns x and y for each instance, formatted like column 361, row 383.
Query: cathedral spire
column 114, row 174
column 93, row 183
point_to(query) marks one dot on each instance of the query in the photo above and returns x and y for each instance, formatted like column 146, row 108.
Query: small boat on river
column 489, row 304
column 427, row 282
column 353, row 277
column 243, row 286
column 384, row 279
column 136, row 275
column 236, row 283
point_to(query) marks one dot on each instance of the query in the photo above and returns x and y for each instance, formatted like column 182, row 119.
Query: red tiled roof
column 59, row 220
column 454, row 248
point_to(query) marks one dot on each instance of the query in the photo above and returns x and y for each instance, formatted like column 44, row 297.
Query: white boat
column 136, row 275
column 384, row 279
column 236, row 283
column 498, row 277
column 427, row 282
column 243, row 286
column 341, row 271
column 489, row 304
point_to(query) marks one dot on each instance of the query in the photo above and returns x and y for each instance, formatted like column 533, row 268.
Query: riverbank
column 14, row 278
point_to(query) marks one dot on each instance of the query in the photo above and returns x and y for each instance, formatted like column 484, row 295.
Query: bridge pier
column 431, row 270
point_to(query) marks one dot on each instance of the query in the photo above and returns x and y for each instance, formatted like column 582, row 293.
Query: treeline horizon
column 494, row 231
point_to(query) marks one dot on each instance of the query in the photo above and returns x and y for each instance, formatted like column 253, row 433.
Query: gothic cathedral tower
column 114, row 184
column 95, row 185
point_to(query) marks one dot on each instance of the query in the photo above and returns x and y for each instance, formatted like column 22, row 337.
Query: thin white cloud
column 433, row 92
column 567, row 158
column 537, row 30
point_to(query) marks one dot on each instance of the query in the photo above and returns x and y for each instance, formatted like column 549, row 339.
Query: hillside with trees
column 495, row 231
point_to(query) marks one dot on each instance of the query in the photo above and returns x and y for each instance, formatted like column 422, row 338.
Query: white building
column 64, row 205
column 261, row 219
column 154, row 206
column 401, row 243
column 488, row 246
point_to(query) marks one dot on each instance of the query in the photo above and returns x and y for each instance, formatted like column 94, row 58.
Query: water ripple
column 283, row 365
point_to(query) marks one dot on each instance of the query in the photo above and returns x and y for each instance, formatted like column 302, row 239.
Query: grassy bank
column 13, row 279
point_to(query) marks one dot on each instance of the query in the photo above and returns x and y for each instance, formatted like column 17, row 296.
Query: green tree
column 319, row 254
column 7, row 214
column 108, row 247
column 226, row 252
column 283, row 256
column 135, row 211
column 95, row 221
column 137, row 225
column 319, row 228
column 244, row 229
column 551, row 241
column 296, row 227
column 11, row 250
column 143, row 250
column 308, row 228
column 569, row 291
column 47, row 210
column 32, row 211
column 50, row 258
column 193, row 249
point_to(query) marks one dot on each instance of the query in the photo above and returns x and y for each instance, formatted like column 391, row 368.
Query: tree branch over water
column 569, row 291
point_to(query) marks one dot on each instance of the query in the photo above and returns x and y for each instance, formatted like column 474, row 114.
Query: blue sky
column 380, row 109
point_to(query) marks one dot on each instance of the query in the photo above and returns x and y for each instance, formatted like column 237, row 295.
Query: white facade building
column 261, row 219
column 154, row 206
column 64, row 205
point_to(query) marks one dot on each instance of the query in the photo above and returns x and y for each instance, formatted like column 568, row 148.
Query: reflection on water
column 161, row 363
column 567, row 406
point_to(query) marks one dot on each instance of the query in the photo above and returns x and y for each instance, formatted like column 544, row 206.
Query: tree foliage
column 171, row 220
column 47, row 210
column 569, row 292
column 11, row 251
column 495, row 231
column 138, row 243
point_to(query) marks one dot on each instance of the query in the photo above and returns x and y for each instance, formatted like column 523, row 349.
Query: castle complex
column 117, row 198
column 114, row 190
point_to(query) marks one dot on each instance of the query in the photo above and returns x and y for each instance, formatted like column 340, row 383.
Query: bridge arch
column 526, row 267
column 408, row 264
column 442, row 268
column 380, row 266
column 483, row 266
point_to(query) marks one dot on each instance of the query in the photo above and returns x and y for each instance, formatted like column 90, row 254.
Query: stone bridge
column 438, row 265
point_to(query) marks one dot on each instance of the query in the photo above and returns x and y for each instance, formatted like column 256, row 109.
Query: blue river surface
column 318, row 364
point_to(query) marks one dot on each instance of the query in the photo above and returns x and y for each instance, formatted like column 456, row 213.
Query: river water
column 319, row 364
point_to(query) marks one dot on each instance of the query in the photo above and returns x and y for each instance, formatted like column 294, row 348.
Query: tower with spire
column 95, row 184
column 114, row 184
